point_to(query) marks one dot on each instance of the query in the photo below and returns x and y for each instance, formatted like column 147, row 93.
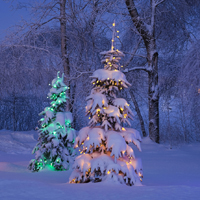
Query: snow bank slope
column 17, row 142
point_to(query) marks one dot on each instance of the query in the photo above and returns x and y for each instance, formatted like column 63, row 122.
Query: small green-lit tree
column 56, row 137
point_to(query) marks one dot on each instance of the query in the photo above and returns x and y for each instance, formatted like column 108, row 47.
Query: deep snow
column 168, row 174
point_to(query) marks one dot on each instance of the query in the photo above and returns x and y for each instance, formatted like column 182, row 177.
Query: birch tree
column 147, row 32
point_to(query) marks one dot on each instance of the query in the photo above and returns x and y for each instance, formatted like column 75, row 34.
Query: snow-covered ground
column 168, row 174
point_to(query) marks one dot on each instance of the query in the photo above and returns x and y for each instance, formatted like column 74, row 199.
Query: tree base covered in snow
column 112, row 161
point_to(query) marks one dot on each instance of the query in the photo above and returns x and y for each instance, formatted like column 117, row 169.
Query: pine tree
column 56, row 137
column 106, row 154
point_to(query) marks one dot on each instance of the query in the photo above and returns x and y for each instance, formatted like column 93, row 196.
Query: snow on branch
column 145, row 68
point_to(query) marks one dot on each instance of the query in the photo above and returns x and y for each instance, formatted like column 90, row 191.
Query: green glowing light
column 67, row 121
column 50, row 167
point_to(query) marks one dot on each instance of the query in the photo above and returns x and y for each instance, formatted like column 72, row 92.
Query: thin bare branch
column 133, row 54
column 159, row 2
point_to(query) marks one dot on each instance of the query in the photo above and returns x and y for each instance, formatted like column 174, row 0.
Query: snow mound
column 17, row 142
column 10, row 167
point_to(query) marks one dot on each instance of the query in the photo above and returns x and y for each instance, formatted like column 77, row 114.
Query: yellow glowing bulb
column 123, row 129
column 89, row 118
column 112, row 40
column 122, row 66
column 113, row 24
column 117, row 36
column 113, row 57
column 93, row 83
column 117, row 31
column 108, row 172
column 108, row 78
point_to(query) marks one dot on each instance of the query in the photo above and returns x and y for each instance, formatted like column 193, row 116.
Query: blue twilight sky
column 9, row 16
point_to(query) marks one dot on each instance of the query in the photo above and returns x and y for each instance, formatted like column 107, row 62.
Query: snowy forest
column 68, row 36
column 117, row 83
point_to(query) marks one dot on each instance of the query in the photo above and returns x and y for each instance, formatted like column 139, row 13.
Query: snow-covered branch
column 145, row 68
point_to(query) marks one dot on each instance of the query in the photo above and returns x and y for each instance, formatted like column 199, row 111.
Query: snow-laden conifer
column 103, row 145
column 56, row 137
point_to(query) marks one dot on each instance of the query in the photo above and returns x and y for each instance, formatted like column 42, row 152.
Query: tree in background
column 56, row 137
column 147, row 32
column 104, row 144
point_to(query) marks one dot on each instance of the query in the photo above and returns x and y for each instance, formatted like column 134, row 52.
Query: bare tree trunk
column 153, row 95
column 65, row 58
column 138, row 113
column 148, row 35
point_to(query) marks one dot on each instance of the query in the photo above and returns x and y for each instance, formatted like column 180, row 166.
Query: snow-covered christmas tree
column 56, row 137
column 106, row 155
